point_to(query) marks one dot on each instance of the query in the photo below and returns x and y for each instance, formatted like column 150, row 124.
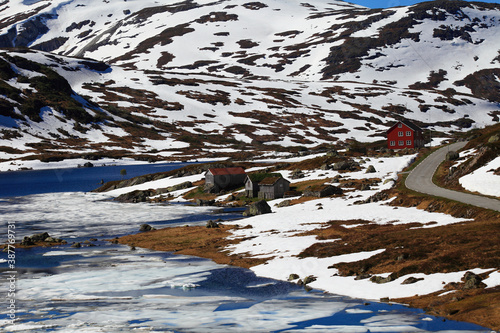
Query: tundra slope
column 213, row 79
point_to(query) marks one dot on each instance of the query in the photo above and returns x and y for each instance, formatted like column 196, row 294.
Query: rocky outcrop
column 258, row 208
column 41, row 238
column 135, row 196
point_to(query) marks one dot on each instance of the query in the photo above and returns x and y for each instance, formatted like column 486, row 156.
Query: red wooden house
column 405, row 134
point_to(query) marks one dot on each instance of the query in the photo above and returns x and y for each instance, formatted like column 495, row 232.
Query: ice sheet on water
column 78, row 214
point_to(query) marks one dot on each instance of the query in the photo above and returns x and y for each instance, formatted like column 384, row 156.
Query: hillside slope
column 210, row 79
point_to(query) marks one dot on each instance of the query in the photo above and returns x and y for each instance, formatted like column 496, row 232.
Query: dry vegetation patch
column 197, row 241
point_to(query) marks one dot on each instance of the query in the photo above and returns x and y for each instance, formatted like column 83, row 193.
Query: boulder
column 370, row 169
column 258, row 208
column 284, row 203
column 411, row 280
column 293, row 276
column 452, row 155
column 309, row 279
column 146, row 227
column 380, row 280
column 472, row 281
column 212, row 224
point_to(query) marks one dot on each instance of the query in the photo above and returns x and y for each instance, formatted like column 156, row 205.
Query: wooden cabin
column 405, row 134
column 273, row 187
column 225, row 178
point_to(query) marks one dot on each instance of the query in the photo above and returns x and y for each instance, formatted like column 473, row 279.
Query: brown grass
column 196, row 241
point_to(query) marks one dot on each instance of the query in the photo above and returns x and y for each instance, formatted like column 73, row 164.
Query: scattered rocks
column 202, row 202
column 181, row 186
column 258, row 208
column 363, row 276
column 297, row 174
column 39, row 238
column 293, row 276
column 135, row 196
column 76, row 245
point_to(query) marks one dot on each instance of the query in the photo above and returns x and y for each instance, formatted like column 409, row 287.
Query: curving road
column 420, row 180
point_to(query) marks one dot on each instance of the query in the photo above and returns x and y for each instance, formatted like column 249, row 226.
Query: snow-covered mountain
column 213, row 78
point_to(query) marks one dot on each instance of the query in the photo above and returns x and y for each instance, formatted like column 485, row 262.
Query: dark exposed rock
column 309, row 279
column 76, row 245
column 411, row 280
column 452, row 155
column 380, row 280
column 284, row 203
column 293, row 276
column 181, row 186
column 135, row 196
column 146, row 227
column 472, row 281
column 258, row 208
column 321, row 191
column 371, row 169
column 201, row 202
column 212, row 224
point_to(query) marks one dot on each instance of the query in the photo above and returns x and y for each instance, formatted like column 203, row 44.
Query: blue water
column 20, row 183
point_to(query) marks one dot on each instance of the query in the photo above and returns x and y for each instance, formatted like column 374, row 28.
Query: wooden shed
column 252, row 183
column 225, row 178
column 273, row 187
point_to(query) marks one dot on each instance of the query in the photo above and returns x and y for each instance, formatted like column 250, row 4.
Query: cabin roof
column 258, row 177
column 271, row 180
column 408, row 123
column 227, row 171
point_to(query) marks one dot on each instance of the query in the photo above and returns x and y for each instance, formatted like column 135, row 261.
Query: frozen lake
column 102, row 287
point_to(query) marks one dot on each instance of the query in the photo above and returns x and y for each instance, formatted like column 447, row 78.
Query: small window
column 401, row 143
column 408, row 142
column 408, row 133
column 392, row 143
column 400, row 133
column 400, row 125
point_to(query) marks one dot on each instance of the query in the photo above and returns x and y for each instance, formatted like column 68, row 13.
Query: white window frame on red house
column 400, row 133
column 400, row 125
column 408, row 142
column 401, row 143
column 408, row 133
column 392, row 143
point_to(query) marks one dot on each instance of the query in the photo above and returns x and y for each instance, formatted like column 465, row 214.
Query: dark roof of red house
column 227, row 171
column 409, row 124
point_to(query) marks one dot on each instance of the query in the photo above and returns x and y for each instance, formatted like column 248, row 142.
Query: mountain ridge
column 213, row 79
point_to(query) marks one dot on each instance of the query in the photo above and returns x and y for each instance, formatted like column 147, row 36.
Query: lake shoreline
column 210, row 245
